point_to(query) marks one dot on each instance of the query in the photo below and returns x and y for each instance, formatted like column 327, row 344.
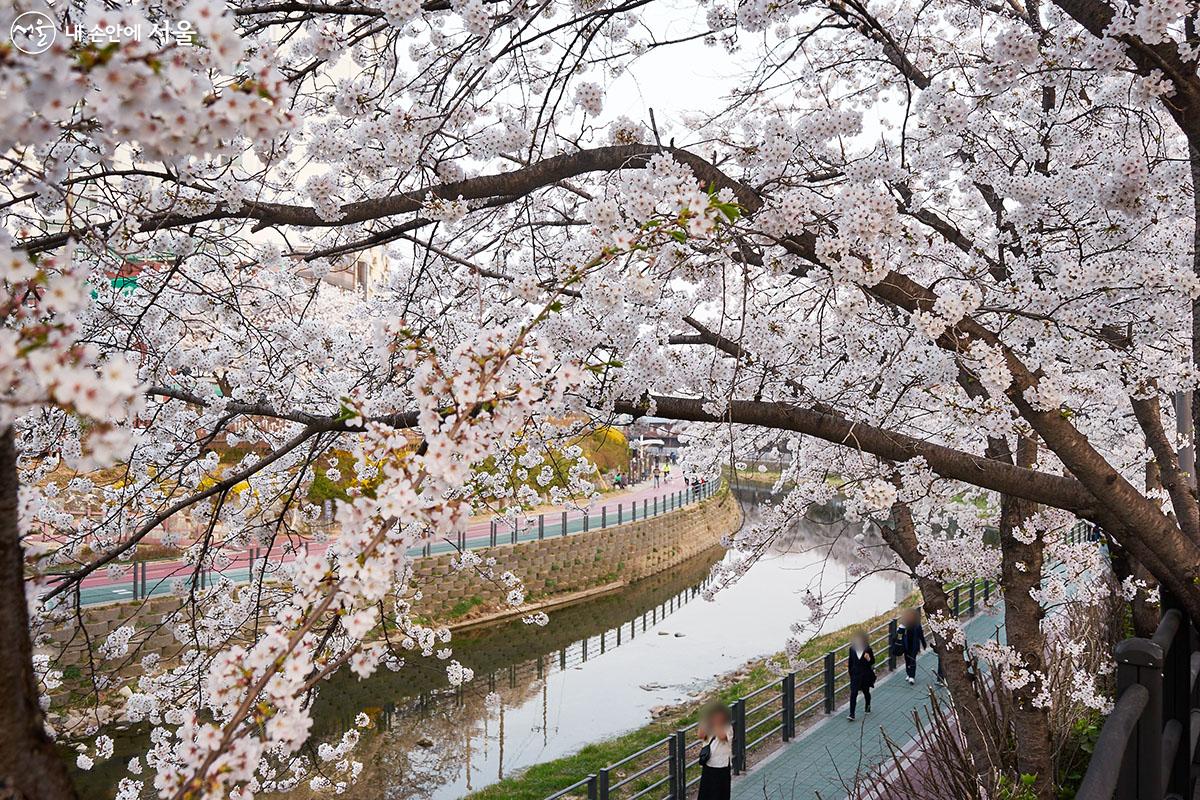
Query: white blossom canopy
column 908, row 238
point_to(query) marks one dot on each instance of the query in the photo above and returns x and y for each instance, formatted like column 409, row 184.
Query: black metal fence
column 1147, row 747
column 668, row 768
column 564, row 523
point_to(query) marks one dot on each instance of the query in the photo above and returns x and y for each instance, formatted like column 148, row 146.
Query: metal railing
column 1146, row 749
column 667, row 769
column 565, row 523
column 545, row 525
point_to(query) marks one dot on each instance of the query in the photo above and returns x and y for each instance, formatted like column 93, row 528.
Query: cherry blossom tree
column 944, row 254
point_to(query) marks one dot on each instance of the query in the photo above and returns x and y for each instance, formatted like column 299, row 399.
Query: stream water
column 597, row 670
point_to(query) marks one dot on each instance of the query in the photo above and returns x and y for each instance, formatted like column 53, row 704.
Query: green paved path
column 828, row 755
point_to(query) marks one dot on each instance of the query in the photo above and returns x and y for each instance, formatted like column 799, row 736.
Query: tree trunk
column 1021, row 572
column 30, row 766
column 1144, row 614
column 961, row 681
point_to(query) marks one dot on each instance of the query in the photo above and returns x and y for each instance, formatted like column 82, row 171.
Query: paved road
column 160, row 577
column 834, row 750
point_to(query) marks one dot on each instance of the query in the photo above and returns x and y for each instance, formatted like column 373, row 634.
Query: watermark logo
column 32, row 32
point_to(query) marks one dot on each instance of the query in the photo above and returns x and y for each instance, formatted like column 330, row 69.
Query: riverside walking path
column 152, row 578
column 828, row 756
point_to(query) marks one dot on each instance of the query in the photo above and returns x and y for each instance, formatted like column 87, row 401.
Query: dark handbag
column 706, row 752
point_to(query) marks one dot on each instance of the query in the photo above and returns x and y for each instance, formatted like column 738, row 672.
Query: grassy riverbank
column 541, row 780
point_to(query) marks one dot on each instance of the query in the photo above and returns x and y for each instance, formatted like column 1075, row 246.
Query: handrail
column 763, row 704
column 650, row 788
column 810, row 694
column 1101, row 778
column 1146, row 747
column 786, row 700
column 641, row 752
column 590, row 779
column 814, row 676
column 757, row 691
column 1168, row 626
column 630, row 778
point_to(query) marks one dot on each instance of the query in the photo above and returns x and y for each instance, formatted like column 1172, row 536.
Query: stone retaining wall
column 550, row 567
column 560, row 564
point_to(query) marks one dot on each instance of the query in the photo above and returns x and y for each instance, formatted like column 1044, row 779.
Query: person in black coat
column 861, row 665
column 910, row 641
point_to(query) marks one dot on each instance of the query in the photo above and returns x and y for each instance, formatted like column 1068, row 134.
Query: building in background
column 360, row 275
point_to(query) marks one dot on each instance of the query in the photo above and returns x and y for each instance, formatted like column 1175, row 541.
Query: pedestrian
column 617, row 481
column 861, row 666
column 910, row 641
column 716, row 753
column 657, row 475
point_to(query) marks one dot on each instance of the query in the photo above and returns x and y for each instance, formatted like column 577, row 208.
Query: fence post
column 829, row 683
column 656, row 505
column 492, row 540
column 136, row 596
column 1177, row 699
column 681, row 771
column 987, row 590
column 541, row 526
column 739, row 736
column 587, row 519
column 1140, row 661
column 563, row 529
column 1189, row 699
column 892, row 628
column 673, row 766
column 602, row 780
column 633, row 511
column 957, row 608
column 645, row 507
column 971, row 600
column 593, row 794
column 620, row 513
column 603, row 516
column 789, row 706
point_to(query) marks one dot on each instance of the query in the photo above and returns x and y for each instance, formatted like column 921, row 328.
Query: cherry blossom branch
column 1055, row 490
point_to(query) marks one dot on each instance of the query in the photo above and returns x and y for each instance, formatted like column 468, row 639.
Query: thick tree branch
column 1039, row 487
column 514, row 184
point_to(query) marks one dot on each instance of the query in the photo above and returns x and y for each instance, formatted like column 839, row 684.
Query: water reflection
column 438, row 742
column 657, row 643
